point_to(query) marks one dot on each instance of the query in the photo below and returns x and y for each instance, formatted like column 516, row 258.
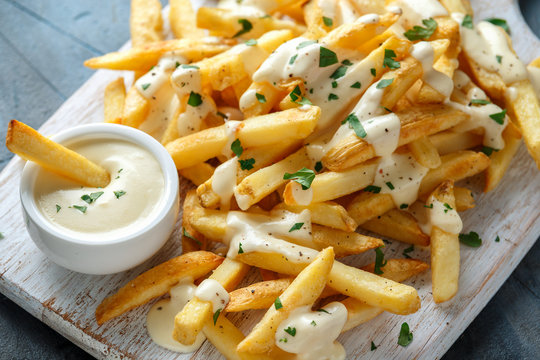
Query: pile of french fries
column 273, row 134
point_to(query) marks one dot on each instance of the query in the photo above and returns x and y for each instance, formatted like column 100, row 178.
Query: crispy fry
column 425, row 152
column 325, row 213
column 26, row 142
column 198, row 174
column 260, row 295
column 156, row 282
column 398, row 225
column 344, row 243
column 183, row 20
column 136, row 108
column 113, row 101
column 145, row 22
column 448, row 141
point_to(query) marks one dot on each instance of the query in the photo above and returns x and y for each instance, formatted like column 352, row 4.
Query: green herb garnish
column 260, row 97
column 318, row 166
column 187, row 66
column 340, row 72
column 92, row 197
column 296, row 226
column 373, row 347
column 356, row 85
column 293, row 59
column 240, row 250
column 471, row 239
column 467, row 22
column 194, row 99
column 379, row 261
column 403, row 206
column 322, row 310
column 499, row 22
column 58, row 207
column 247, row 164
column 119, row 193
column 390, row 185
column 189, row 236
column 497, row 239
column 303, row 176
column 251, row 42
column 327, row 57
column 80, row 208
column 313, row 323
column 407, row 251
column 389, row 61
column 373, row 71
column 372, row 188
column 291, row 331
column 479, row 102
column 356, row 125
column 499, row 58
column 277, row 304
column 332, row 97
column 303, row 44
column 384, row 83
column 216, row 315
column 327, row 21
column 499, row 117
column 405, row 336
column 246, row 27
column 420, row 33
column 145, row 86
column 236, row 147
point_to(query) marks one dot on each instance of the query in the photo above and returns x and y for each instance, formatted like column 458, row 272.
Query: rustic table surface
column 43, row 44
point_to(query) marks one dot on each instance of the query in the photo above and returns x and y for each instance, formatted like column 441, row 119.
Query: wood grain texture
column 66, row 301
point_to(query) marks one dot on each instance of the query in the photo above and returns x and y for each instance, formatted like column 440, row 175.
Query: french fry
column 191, row 319
column 183, row 20
column 143, row 57
column 398, row 225
column 192, row 240
column 364, row 286
column 328, row 213
column 156, row 282
column 198, row 174
column 303, row 291
column 500, row 160
column 462, row 6
column 448, row 141
column 417, row 122
column 455, row 166
column 113, row 101
column 444, row 250
column 344, row 243
column 136, row 108
column 526, row 109
column 260, row 295
column 425, row 152
column 145, row 22
column 29, row 144
column 229, row 24
column 259, row 131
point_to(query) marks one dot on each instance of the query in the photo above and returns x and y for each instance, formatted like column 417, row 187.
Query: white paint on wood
column 66, row 301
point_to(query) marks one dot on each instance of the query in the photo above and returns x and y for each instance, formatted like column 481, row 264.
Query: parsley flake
column 390, row 185
column 291, row 331
column 471, row 239
column 499, row 58
column 296, row 226
column 240, row 250
column 332, row 96
column 499, row 22
column 58, row 207
column 224, row 116
column 236, row 147
column 346, row 62
column 251, row 42
column 277, row 304
column 405, row 336
column 407, row 251
column 80, row 208
column 318, row 166
column 327, row 21
column 334, row 84
column 322, row 310
column 303, row 176
column 247, row 164
column 92, row 197
column 340, row 72
column 497, row 239
column 379, row 261
column 373, row 71
column 313, row 323
column 260, row 97
column 420, row 33
column 448, row 207
column 372, row 188
column 499, row 117
column 467, row 22
column 119, row 193
column 189, row 236
column 246, row 27
column 216, row 315
column 303, row 44
column 488, row 150
column 479, row 102
column 373, row 347
column 384, row 83
column 356, row 125
column 194, row 99
column 389, row 61
column 145, row 86
column 403, row 206
column 293, row 59
column 283, row 340
column 356, row 85
column 327, row 57
column 186, row 66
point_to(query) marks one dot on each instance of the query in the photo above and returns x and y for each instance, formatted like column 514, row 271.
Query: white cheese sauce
column 126, row 204
column 444, row 217
column 423, row 52
column 258, row 233
column 160, row 318
column 312, row 334
column 224, row 181
column 210, row 290
column 231, row 128
column 328, row 8
column 487, row 45
column 153, row 80
column 400, row 175
column 301, row 196
column 383, row 133
column 346, row 12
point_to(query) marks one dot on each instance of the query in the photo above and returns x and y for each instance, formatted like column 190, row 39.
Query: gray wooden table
column 43, row 44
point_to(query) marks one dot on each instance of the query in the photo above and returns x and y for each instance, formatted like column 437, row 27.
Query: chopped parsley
column 318, row 166
column 334, row 84
column 403, row 206
column 177, row 64
column 313, row 323
column 499, row 117
column 80, row 208
column 430, row 206
column 407, row 251
column 499, row 22
column 186, row 66
column 340, row 72
column 356, row 85
column 322, row 310
column 92, row 197
column 384, row 83
column 488, row 150
column 467, row 22
column 356, row 125
column 372, row 188
column 291, row 331
column 216, row 315
column 277, row 304
column 346, row 62
column 260, row 97
column 332, row 96
column 327, row 57
column 497, row 239
column 379, row 261
column 303, row 44
column 1, row 236
column 479, row 102
column 251, row 42
column 327, row 21
column 499, row 58
column 247, row 164
column 405, row 336
column 224, row 116
column 246, row 27
column 448, row 207
column 303, row 176
column 296, row 226
column 236, row 147
column 471, row 239
column 283, row 340
column 297, row 94
column 293, row 59
column 389, row 61
column 119, row 193
column 58, row 207
column 240, row 250
column 390, row 185
column 189, row 236
column 194, row 99
column 420, row 33
column 373, row 347
column 145, row 86
column 373, row 71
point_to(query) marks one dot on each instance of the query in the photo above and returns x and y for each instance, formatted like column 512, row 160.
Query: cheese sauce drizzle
column 423, row 52
column 444, row 217
column 312, row 334
column 224, row 181
column 210, row 290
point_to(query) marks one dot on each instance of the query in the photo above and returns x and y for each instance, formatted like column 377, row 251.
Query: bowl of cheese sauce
column 110, row 229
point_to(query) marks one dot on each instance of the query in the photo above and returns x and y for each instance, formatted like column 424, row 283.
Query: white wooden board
column 66, row 301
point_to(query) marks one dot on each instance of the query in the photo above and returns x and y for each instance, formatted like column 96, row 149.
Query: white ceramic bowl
column 98, row 256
